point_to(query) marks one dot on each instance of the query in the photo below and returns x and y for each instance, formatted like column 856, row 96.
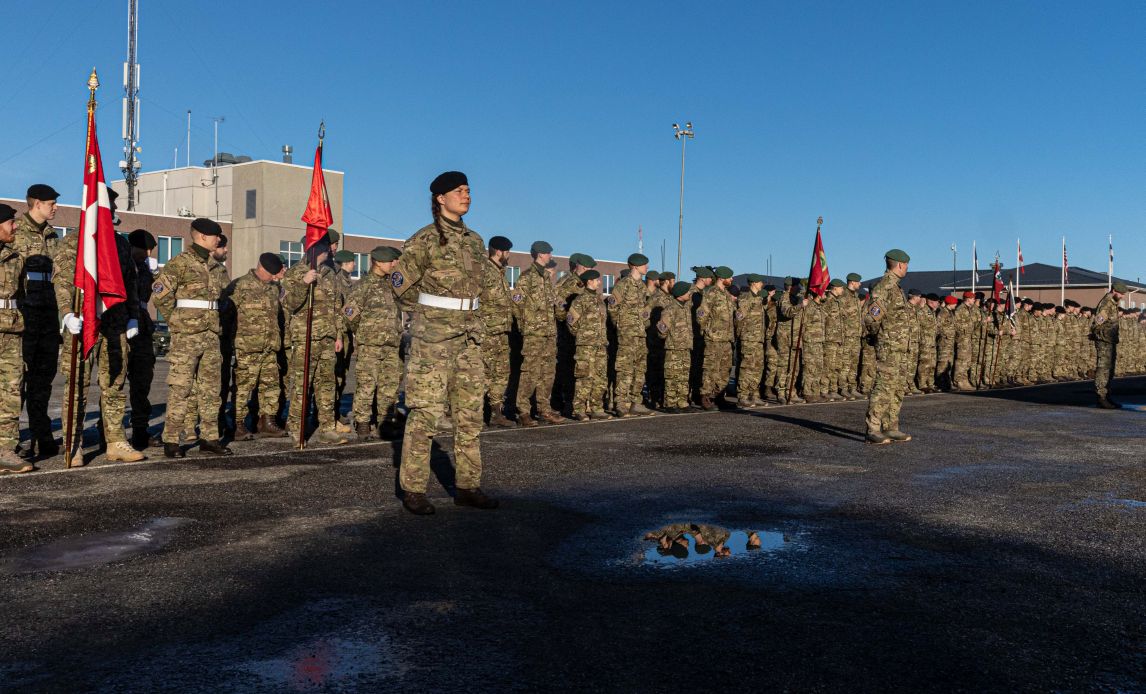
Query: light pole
column 954, row 265
column 683, row 135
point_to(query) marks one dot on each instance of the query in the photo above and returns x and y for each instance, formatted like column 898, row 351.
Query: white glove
column 74, row 323
column 132, row 328
column 152, row 264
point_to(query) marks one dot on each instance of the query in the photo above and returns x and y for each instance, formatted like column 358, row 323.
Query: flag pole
column 794, row 363
column 74, row 362
column 1018, row 263
column 1110, row 261
column 974, row 266
column 305, row 414
column 1062, row 276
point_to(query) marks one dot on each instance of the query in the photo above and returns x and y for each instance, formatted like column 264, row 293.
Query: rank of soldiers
column 547, row 349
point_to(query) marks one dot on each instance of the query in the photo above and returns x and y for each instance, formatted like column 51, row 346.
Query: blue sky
column 905, row 124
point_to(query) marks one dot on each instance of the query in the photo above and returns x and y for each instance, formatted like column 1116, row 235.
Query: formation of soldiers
column 245, row 351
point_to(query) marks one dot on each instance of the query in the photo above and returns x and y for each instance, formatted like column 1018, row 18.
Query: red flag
column 1022, row 268
column 818, row 277
column 317, row 216
column 998, row 288
column 98, row 274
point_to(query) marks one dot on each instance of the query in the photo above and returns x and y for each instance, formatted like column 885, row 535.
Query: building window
column 607, row 284
column 252, row 197
column 64, row 231
column 361, row 265
column 169, row 247
column 290, row 252
column 512, row 274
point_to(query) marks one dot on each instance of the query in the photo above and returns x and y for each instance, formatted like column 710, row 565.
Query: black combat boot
column 173, row 450
column 475, row 498
column 215, row 447
column 417, row 504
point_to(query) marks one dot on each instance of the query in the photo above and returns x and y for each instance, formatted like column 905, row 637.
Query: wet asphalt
column 1000, row 550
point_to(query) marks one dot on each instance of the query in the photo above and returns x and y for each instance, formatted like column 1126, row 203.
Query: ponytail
column 436, row 210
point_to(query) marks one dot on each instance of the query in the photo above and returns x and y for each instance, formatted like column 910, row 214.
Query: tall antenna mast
column 130, row 163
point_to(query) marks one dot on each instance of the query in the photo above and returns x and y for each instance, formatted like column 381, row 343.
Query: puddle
column 690, row 543
column 96, row 549
column 325, row 663
column 1133, row 406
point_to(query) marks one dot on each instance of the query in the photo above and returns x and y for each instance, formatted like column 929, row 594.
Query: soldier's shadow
column 818, row 427
column 440, row 465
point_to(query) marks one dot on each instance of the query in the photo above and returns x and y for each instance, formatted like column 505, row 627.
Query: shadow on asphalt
column 818, row 427
column 440, row 465
column 1073, row 394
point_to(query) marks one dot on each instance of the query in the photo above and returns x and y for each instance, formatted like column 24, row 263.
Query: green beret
column 897, row 255
column 703, row 273
column 539, row 247
column 344, row 256
column 637, row 259
column 652, row 275
column 668, row 275
column 583, row 259
column 836, row 283
column 755, row 277
column 680, row 289
column 788, row 281
column 384, row 254
column 589, row 275
column 332, row 236
column 723, row 272
column 854, row 277
column 1119, row 287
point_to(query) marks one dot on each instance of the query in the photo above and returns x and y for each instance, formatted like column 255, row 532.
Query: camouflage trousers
column 440, row 375
column 538, row 369
column 41, row 349
column 342, row 370
column 963, row 362
column 193, row 358
column 911, row 362
column 677, row 364
column 852, row 347
column 257, row 374
column 377, row 374
column 140, row 374
column 495, row 359
column 784, row 366
column 564, row 373
column 322, row 384
column 771, row 363
column 751, row 369
column 867, row 367
column 717, row 366
column 887, row 390
column 925, row 371
column 655, row 372
column 108, row 359
column 1104, row 368
column 11, row 376
column 811, row 367
column 592, row 374
column 944, row 353
column 630, row 366
column 832, row 380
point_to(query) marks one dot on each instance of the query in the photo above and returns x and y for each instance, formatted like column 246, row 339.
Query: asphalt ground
column 1000, row 550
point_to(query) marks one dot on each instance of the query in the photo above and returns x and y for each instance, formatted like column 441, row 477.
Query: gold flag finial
column 820, row 220
column 93, row 81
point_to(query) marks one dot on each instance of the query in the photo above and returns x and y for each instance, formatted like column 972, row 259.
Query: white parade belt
column 9, row 303
column 40, row 276
column 196, row 303
column 448, row 302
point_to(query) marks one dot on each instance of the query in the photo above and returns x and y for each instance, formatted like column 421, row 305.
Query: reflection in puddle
column 692, row 543
column 327, row 663
column 95, row 549
column 1134, row 406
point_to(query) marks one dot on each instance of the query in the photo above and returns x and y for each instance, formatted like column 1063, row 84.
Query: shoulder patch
column 282, row 292
column 700, row 313
column 645, row 314
column 397, row 279
column 875, row 311
column 350, row 311
column 517, row 297
column 157, row 288
column 739, row 315
column 612, row 300
column 1100, row 319
column 571, row 318
column 662, row 326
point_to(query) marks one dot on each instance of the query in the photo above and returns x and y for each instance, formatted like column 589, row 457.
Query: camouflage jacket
column 256, row 308
column 495, row 310
column 675, row 326
column 966, row 318
column 886, row 315
column 815, row 317
column 945, row 326
column 627, row 307
column 789, row 312
column 452, row 271
column 535, row 303
column 1104, row 325
column 586, row 319
column 716, row 314
column 11, row 274
column 328, row 321
column 36, row 244
column 567, row 288
column 852, row 315
column 770, row 319
column 928, row 326
column 750, row 318
column 835, row 329
column 114, row 320
column 191, row 275
column 373, row 312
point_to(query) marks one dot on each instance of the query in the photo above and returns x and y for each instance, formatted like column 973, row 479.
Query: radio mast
column 130, row 163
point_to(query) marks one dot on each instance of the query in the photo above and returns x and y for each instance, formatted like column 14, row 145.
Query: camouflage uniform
column 11, row 362
column 444, row 364
column 655, row 371
column 258, row 341
column 750, row 329
column 789, row 313
column 715, row 315
column 327, row 327
column 630, row 315
column 675, row 326
column 36, row 244
column 194, row 353
column 586, row 318
column 965, row 322
column 141, row 353
column 945, row 346
column 226, row 377
column 534, row 302
column 928, row 331
column 833, row 380
column 886, row 316
column 376, row 319
column 852, row 316
column 496, row 313
column 812, row 349
column 1104, row 328
column 349, row 343
column 771, row 356
column 567, row 288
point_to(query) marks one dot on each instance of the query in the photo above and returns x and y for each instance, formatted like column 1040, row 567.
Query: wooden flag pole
column 305, row 414
column 800, row 338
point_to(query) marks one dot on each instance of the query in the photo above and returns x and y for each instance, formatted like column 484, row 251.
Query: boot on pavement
column 1105, row 403
column 552, row 418
column 268, row 429
column 242, row 433
column 640, row 410
column 878, row 438
column 365, row 432
column 524, row 420
column 497, row 419
column 897, row 435
column 173, row 450
column 120, row 452
column 333, row 437
column 474, row 498
column 215, row 447
column 11, row 464
column 417, row 504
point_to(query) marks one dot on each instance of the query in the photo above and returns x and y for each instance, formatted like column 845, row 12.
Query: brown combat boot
column 474, row 498
column 497, row 419
column 268, row 429
column 241, row 431
column 524, row 420
column 552, row 418
column 417, row 504
column 11, row 464
column 120, row 452
column 707, row 403
column 365, row 432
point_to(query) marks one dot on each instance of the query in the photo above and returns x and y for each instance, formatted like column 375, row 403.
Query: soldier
column 715, row 316
column 1104, row 330
column 496, row 311
column 567, row 288
column 914, row 299
column 965, row 321
column 811, row 342
column 833, row 384
column 187, row 292
column 141, row 347
column 328, row 329
column 928, row 333
column 375, row 317
column 704, row 278
column 945, row 343
column 629, row 311
column 535, row 303
column 444, row 364
column 886, row 316
column 587, row 318
column 36, row 243
column 254, row 299
column 11, row 362
column 654, row 373
column 789, row 314
column 675, row 327
column 226, row 382
column 852, row 317
column 750, row 329
column 770, row 355
column 345, row 263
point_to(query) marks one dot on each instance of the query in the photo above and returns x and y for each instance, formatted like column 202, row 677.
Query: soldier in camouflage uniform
column 811, row 342
column 36, row 243
column 928, row 333
column 833, row 383
column 496, row 312
column 444, row 365
column 750, row 331
column 374, row 316
column 703, row 280
column 716, row 315
column 945, row 343
column 675, row 327
column 568, row 287
column 886, row 316
column 914, row 300
column 345, row 263
column 1104, row 330
column 254, row 300
column 141, row 348
column 586, row 319
column 535, row 303
column 655, row 373
column 966, row 318
column 187, row 292
column 789, row 314
column 11, row 362
column 852, row 317
column 771, row 357
column 629, row 312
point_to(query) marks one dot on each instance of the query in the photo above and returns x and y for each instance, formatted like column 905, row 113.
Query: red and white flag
column 317, row 215
column 1022, row 270
column 98, row 274
column 818, row 276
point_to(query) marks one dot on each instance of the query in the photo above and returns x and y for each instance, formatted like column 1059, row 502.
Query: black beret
column 1027, row 302
column 500, row 243
column 207, row 227
column 222, row 241
column 271, row 263
column 980, row 296
column 733, row 290
column 913, row 292
column 769, row 288
column 42, row 191
column 141, row 238
column 589, row 275
column 933, row 297
column 7, row 212
column 445, row 182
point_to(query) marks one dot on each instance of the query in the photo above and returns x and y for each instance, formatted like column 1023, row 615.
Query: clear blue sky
column 905, row 124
